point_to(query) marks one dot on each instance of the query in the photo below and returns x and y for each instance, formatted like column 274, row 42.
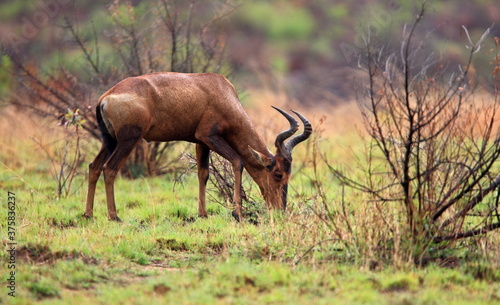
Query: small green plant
column 72, row 119
column 67, row 159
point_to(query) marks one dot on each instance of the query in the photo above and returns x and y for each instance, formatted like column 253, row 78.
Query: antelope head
column 278, row 167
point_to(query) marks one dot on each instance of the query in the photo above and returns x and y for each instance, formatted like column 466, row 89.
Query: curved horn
column 301, row 137
column 294, row 126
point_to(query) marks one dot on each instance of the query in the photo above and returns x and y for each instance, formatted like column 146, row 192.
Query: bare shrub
column 66, row 161
column 432, row 158
column 221, row 187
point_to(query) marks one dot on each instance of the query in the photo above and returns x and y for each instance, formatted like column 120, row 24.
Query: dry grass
column 17, row 129
column 337, row 120
column 35, row 146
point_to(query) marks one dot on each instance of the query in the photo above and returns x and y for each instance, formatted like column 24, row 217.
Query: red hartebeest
column 200, row 108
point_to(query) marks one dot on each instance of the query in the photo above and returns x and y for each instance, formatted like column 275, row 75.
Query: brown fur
column 199, row 108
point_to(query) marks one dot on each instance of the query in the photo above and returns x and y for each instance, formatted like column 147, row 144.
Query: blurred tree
column 162, row 35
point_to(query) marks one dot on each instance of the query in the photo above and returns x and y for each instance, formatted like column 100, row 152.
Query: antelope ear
column 261, row 158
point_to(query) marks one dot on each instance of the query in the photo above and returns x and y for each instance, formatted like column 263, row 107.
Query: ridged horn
column 294, row 126
column 301, row 137
column 286, row 149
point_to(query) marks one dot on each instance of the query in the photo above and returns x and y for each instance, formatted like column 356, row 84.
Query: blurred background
column 305, row 50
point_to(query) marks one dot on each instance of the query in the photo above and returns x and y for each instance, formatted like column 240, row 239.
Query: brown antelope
column 200, row 108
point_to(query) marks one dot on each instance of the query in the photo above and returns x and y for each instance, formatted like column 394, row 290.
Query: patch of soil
column 41, row 254
column 170, row 244
column 62, row 224
column 161, row 289
column 398, row 286
column 217, row 247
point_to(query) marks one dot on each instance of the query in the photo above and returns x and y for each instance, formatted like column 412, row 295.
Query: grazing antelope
column 200, row 108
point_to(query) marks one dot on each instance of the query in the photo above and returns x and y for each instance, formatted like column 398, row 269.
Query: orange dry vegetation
column 20, row 130
column 484, row 111
column 345, row 119
column 27, row 139
column 333, row 120
column 16, row 128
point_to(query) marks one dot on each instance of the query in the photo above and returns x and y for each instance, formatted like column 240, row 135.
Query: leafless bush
column 434, row 145
column 67, row 159
column 177, row 36
column 221, row 187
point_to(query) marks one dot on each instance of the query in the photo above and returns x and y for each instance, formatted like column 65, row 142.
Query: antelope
column 202, row 108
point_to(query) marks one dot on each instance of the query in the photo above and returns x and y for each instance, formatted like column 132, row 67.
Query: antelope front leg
column 238, row 170
column 216, row 143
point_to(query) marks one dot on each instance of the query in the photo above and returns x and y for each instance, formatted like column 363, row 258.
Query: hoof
column 87, row 216
column 236, row 216
column 116, row 219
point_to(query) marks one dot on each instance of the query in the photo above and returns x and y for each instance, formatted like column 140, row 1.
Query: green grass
column 240, row 281
column 163, row 253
